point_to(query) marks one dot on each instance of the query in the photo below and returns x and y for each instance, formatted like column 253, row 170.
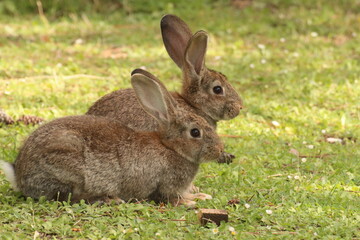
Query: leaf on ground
column 114, row 53
column 240, row 4
column 233, row 202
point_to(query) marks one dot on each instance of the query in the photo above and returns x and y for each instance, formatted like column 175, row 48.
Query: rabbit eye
column 217, row 90
column 195, row 133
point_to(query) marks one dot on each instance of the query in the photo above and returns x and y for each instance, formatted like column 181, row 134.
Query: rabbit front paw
column 226, row 158
column 182, row 201
column 193, row 189
column 201, row 196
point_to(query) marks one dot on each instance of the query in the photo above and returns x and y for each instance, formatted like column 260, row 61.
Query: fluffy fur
column 188, row 52
column 9, row 171
column 96, row 158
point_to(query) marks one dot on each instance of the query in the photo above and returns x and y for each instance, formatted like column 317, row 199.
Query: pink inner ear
column 199, row 62
column 175, row 44
column 196, row 52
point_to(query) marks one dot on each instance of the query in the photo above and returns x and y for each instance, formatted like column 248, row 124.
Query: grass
column 297, row 67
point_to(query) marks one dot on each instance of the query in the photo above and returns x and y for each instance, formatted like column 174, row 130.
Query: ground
column 297, row 68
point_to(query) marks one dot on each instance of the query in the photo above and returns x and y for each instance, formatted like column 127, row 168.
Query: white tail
column 9, row 171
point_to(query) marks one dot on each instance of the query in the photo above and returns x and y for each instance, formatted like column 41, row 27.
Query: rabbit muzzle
column 212, row 153
column 231, row 110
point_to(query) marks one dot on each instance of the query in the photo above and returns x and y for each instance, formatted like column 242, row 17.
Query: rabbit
column 206, row 91
column 97, row 158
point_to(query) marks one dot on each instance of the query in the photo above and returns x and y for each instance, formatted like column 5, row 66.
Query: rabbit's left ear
column 195, row 53
column 152, row 98
column 175, row 34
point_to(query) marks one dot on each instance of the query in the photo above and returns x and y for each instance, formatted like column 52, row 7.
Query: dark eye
column 217, row 90
column 195, row 133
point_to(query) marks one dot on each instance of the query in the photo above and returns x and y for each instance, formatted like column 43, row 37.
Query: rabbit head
column 207, row 90
column 179, row 129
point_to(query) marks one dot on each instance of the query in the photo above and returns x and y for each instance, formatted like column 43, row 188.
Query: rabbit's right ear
column 176, row 34
column 151, row 97
column 195, row 53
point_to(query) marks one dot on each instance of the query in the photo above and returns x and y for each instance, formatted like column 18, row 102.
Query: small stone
column 314, row 34
column 261, row 46
column 275, row 123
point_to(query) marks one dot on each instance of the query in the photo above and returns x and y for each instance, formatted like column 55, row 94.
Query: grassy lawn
column 296, row 65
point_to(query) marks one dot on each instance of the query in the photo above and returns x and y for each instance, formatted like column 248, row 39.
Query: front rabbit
column 207, row 92
column 97, row 158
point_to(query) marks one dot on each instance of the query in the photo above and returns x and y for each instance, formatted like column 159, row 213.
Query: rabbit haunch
column 96, row 158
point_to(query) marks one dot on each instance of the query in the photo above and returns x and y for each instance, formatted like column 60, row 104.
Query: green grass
column 293, row 62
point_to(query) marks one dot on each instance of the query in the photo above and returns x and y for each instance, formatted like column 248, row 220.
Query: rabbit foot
column 115, row 200
column 201, row 196
column 181, row 201
column 107, row 201
column 226, row 158
column 193, row 189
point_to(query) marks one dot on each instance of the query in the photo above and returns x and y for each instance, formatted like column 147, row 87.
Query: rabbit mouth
column 231, row 110
column 212, row 154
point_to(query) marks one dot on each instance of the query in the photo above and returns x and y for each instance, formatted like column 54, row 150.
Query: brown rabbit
column 96, row 158
column 206, row 91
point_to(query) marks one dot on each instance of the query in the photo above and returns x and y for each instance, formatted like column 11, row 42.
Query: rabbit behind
column 96, row 158
column 206, row 91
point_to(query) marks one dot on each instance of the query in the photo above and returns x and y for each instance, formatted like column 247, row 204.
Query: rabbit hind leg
column 50, row 188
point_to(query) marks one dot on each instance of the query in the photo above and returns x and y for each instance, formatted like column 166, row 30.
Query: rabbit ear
column 176, row 34
column 144, row 72
column 196, row 51
column 150, row 95
column 169, row 98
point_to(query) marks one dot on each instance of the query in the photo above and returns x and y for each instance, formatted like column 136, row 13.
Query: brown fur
column 188, row 52
column 96, row 158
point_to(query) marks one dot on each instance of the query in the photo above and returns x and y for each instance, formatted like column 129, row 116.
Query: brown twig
column 230, row 136
column 41, row 12
column 281, row 233
column 173, row 220
column 352, row 191
column 317, row 156
column 275, row 175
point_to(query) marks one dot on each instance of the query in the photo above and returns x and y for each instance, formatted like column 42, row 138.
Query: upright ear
column 196, row 51
column 169, row 99
column 176, row 34
column 151, row 97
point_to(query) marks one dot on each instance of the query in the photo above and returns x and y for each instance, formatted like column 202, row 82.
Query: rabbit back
column 123, row 106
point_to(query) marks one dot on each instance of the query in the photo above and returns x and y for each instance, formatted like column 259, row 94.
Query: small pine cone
column 4, row 118
column 240, row 4
column 27, row 120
